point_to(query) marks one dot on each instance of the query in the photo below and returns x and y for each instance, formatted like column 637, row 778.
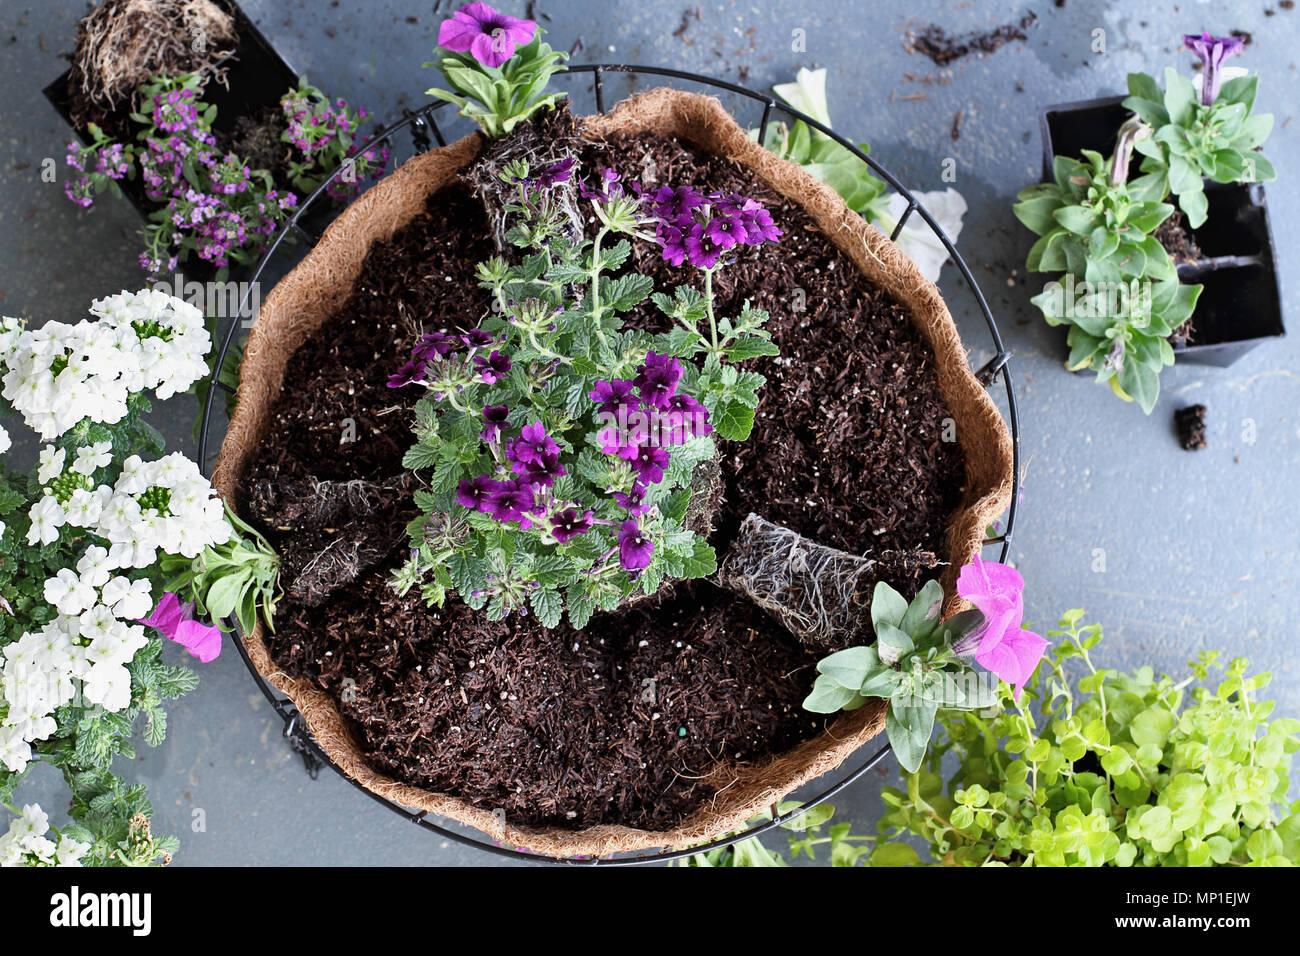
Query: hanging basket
column 320, row 285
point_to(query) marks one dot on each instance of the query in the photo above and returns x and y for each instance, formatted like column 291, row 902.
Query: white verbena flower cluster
column 26, row 843
column 60, row 374
column 161, row 506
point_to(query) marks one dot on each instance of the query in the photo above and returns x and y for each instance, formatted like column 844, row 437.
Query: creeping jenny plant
column 1124, row 770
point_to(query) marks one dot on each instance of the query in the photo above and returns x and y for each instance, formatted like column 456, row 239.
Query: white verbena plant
column 83, row 543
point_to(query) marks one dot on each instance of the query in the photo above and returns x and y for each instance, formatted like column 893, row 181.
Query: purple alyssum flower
column 476, row 494
column 634, row 548
column 657, row 379
column 486, row 34
column 556, row 173
column 511, row 501
column 1212, row 51
column 434, row 343
column 543, row 471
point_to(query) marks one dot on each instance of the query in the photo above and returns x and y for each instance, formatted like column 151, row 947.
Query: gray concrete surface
column 1200, row 549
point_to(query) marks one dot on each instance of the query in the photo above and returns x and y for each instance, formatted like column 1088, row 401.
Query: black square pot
column 1241, row 305
column 256, row 78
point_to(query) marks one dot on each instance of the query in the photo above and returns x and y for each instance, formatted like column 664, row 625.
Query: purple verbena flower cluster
column 644, row 417
column 697, row 227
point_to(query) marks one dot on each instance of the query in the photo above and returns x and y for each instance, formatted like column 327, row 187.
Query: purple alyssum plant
column 212, row 204
column 557, row 446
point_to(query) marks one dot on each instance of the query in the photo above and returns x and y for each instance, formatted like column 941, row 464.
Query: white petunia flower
column 4, row 440
column 917, row 240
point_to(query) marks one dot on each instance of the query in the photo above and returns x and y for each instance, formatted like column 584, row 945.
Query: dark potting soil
column 617, row 723
column 847, row 446
column 943, row 47
column 614, row 723
column 1177, row 239
column 1190, row 425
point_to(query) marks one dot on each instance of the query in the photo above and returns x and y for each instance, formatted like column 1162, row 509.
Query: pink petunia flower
column 1000, row 644
column 175, row 621
column 488, row 35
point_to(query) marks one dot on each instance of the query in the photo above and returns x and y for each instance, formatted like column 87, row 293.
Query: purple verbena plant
column 560, row 447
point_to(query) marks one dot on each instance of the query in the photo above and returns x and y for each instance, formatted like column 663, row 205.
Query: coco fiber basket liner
column 318, row 287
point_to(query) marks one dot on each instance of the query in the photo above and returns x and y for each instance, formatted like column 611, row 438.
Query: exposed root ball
column 122, row 43
column 340, row 529
column 822, row 595
column 543, row 141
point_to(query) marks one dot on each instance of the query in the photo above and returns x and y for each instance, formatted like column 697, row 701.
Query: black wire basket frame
column 422, row 122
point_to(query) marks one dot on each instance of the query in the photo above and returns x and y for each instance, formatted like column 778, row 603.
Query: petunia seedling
column 1212, row 134
column 497, row 67
column 920, row 662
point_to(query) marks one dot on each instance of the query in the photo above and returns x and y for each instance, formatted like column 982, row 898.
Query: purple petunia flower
column 493, row 368
column 568, row 524
column 657, row 380
column 489, row 36
column 511, row 501
column 477, row 338
column 532, row 445
column 634, row 548
column 477, row 494
column 494, row 418
column 1212, row 51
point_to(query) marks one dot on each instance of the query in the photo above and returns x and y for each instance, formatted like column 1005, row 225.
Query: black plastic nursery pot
column 1241, row 305
column 256, row 77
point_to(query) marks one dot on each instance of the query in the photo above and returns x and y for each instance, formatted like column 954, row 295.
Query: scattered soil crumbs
column 943, row 48
column 624, row 721
column 1190, row 422
column 1177, row 239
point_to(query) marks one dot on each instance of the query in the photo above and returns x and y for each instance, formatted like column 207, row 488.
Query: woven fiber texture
column 318, row 287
